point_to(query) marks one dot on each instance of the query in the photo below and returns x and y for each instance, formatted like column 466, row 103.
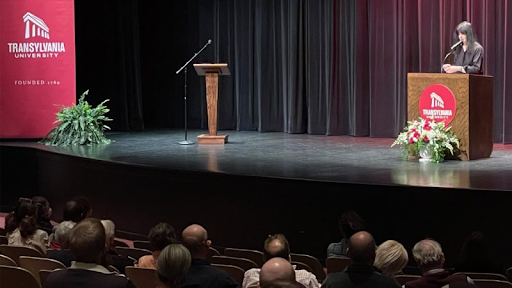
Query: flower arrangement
column 425, row 138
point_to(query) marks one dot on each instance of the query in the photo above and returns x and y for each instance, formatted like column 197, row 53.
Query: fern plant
column 80, row 124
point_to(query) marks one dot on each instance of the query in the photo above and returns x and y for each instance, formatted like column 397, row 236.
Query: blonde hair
column 391, row 257
column 428, row 252
column 173, row 264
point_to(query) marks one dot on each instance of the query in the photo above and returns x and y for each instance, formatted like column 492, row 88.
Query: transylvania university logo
column 37, row 34
column 438, row 101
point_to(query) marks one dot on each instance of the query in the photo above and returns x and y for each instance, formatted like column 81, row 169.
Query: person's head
column 24, row 218
column 62, row 232
column 161, row 235
column 195, row 238
column 464, row 32
column 85, row 203
column 44, row 209
column 428, row 255
column 276, row 246
column 87, row 241
column 110, row 231
column 276, row 269
column 72, row 211
column 173, row 264
column 475, row 250
column 391, row 257
column 350, row 222
column 361, row 248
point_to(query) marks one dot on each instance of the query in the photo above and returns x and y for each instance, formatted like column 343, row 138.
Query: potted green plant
column 79, row 124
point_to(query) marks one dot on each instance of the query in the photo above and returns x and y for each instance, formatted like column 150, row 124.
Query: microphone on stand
column 455, row 45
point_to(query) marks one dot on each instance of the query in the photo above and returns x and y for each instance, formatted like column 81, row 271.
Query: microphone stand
column 184, row 68
column 444, row 60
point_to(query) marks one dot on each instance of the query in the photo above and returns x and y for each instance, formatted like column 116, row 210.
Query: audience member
column 21, row 227
column 278, row 246
column 161, row 235
column 173, row 264
column 87, row 242
column 350, row 222
column 44, row 212
column 278, row 272
column 77, row 209
column 114, row 259
column 475, row 256
column 430, row 259
column 391, row 257
column 63, row 253
column 361, row 273
column 201, row 273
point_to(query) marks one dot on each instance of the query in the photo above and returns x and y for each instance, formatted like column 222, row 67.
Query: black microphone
column 455, row 45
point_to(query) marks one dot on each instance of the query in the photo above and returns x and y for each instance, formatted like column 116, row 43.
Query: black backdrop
column 320, row 66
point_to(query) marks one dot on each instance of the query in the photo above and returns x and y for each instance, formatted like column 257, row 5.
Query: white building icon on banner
column 35, row 26
column 437, row 101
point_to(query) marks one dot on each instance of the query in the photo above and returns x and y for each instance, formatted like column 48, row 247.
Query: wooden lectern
column 473, row 120
column 212, row 72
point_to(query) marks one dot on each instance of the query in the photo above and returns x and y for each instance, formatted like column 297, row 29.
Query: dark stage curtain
column 324, row 67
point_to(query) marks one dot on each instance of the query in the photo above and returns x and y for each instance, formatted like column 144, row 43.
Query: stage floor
column 341, row 159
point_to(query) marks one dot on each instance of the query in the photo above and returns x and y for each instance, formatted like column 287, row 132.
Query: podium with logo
column 211, row 71
column 463, row 101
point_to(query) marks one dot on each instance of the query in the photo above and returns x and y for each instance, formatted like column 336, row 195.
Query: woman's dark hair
column 350, row 222
column 42, row 204
column 24, row 217
column 467, row 29
column 161, row 235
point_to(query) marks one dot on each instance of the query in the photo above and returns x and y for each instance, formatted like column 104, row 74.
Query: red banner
column 37, row 65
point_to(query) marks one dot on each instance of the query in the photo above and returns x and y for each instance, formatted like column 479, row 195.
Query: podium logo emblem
column 438, row 101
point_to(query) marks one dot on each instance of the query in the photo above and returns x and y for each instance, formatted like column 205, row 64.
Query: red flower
column 425, row 139
column 427, row 126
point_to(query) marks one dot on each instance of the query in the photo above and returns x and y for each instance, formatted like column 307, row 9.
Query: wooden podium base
column 212, row 139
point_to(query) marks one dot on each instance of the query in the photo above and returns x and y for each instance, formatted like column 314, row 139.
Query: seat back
column 337, row 264
column 236, row 273
column 142, row 277
column 474, row 275
column 141, row 244
column 491, row 283
column 120, row 243
column 3, row 239
column 43, row 275
column 404, row 278
column 7, row 261
column 13, row 277
column 254, row 255
column 312, row 262
column 14, row 252
column 302, row 266
column 243, row 263
column 509, row 274
column 35, row 264
column 212, row 252
column 134, row 253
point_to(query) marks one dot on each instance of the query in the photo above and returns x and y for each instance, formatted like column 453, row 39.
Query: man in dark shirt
column 361, row 273
column 87, row 242
column 201, row 273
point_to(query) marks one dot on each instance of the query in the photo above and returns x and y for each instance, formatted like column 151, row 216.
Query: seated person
column 391, row 257
column 21, row 227
column 114, row 259
column 87, row 242
column 278, row 272
column 160, row 236
column 44, row 212
column 278, row 246
column 63, row 253
column 430, row 259
column 173, row 265
column 350, row 222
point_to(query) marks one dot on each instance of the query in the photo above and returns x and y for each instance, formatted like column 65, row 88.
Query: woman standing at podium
column 468, row 54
